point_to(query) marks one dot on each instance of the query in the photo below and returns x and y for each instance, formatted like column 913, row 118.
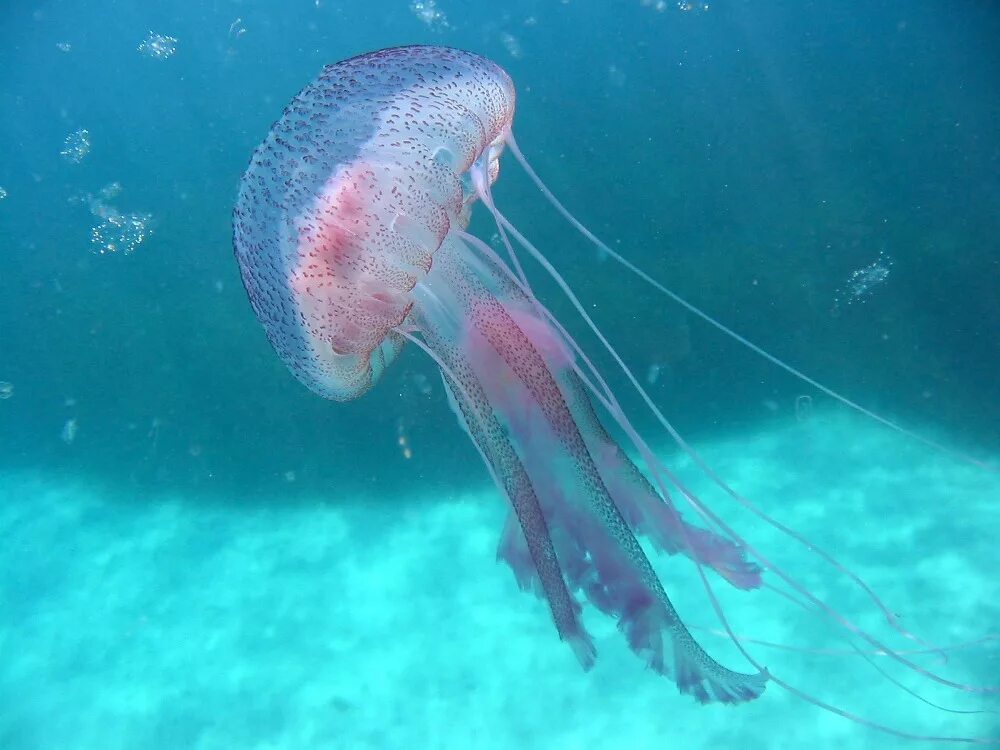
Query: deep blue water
column 765, row 160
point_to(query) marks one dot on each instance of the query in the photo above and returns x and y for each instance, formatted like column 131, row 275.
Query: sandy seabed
column 338, row 622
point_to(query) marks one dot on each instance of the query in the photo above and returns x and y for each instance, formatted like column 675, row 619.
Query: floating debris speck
column 158, row 46
column 106, row 193
column 6, row 390
column 512, row 45
column 653, row 373
column 76, row 146
column 403, row 440
column 616, row 75
column 803, row 407
column 64, row 46
column 68, row 433
column 3, row 193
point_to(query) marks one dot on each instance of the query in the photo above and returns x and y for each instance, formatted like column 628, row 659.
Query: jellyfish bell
column 344, row 204
column 350, row 231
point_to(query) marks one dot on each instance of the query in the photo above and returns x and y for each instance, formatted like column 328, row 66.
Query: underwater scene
column 438, row 374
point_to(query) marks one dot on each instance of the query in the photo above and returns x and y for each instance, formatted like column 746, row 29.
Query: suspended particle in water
column 863, row 281
column 153, row 434
column 422, row 384
column 64, row 46
column 616, row 75
column 658, row 5
column 237, row 29
column 76, row 146
column 428, row 12
column 653, row 373
column 403, row 440
column 68, row 434
column 803, row 407
column 120, row 233
column 109, row 191
column 3, row 193
column 97, row 204
column 512, row 45
column 6, row 390
column 158, row 46
column 686, row 6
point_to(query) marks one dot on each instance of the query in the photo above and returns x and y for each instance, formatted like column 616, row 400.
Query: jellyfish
column 351, row 234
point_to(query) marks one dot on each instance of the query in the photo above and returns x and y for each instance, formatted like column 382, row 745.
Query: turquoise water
column 199, row 553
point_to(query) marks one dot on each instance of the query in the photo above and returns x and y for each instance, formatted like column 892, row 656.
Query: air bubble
column 120, row 233
column 158, row 46
column 76, row 146
column 428, row 12
column 863, row 281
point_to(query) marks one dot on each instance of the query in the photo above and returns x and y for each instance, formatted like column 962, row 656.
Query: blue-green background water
column 751, row 155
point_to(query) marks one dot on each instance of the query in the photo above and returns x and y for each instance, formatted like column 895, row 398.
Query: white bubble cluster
column 3, row 193
column 158, row 46
column 863, row 281
column 428, row 12
column 120, row 233
column 76, row 146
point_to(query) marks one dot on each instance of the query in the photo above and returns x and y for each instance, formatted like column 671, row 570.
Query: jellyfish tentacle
column 718, row 325
column 538, row 564
column 605, row 559
column 648, row 512
column 660, row 472
column 531, row 533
